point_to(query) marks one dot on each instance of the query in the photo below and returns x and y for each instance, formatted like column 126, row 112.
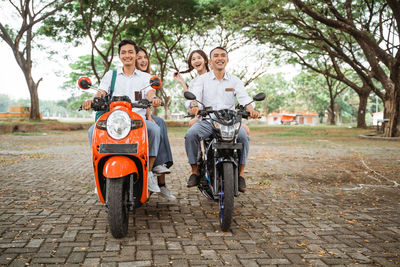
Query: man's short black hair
column 218, row 47
column 125, row 42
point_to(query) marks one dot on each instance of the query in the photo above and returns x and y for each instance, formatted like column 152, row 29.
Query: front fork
column 233, row 158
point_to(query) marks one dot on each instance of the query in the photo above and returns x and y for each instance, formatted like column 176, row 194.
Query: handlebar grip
column 80, row 107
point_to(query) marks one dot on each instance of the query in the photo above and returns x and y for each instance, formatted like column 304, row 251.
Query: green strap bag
column 114, row 77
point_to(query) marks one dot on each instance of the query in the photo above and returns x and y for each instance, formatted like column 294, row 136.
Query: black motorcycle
column 218, row 160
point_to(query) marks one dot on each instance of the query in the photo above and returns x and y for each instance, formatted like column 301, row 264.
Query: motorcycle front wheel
column 117, row 202
column 226, row 197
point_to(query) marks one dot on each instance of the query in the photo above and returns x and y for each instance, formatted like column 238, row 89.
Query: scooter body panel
column 119, row 166
column 120, row 163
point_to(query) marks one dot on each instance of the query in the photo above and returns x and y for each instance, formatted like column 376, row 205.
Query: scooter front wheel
column 117, row 202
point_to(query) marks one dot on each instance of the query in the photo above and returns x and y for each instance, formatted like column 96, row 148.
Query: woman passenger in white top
column 164, row 158
column 198, row 61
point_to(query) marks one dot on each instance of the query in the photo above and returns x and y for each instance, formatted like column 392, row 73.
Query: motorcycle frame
column 128, row 163
column 225, row 152
column 222, row 152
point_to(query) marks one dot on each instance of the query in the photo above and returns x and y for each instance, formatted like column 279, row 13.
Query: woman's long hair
column 189, row 61
column 148, row 59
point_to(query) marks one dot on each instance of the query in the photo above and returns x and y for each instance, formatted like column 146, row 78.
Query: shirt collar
column 121, row 72
column 226, row 76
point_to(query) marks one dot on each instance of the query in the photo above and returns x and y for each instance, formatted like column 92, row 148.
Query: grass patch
column 29, row 134
column 305, row 131
column 7, row 121
column 177, row 131
column 300, row 131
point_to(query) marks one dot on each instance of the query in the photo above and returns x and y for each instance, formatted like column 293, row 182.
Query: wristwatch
column 193, row 105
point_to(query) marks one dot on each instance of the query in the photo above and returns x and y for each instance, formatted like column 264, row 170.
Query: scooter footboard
column 119, row 166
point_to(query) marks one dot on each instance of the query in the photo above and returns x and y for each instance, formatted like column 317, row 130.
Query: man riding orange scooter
column 124, row 144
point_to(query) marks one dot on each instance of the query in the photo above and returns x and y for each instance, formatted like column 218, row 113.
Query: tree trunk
column 166, row 109
column 35, row 113
column 167, row 104
column 337, row 115
column 362, row 107
column 392, row 111
column 331, row 113
column 26, row 67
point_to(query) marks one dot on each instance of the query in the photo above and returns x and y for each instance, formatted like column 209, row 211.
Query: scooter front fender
column 119, row 166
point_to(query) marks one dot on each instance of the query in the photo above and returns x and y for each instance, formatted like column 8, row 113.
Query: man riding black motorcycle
column 216, row 89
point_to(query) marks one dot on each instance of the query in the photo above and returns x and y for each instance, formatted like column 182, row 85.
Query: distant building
column 17, row 112
column 177, row 115
column 298, row 118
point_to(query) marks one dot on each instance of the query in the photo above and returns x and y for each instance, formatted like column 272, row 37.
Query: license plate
column 118, row 148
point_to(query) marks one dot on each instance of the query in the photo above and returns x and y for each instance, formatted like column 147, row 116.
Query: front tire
column 226, row 199
column 117, row 202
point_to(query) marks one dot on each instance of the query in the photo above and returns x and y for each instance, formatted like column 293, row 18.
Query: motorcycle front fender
column 119, row 166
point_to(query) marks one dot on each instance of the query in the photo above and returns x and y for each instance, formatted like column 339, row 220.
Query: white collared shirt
column 128, row 85
column 219, row 94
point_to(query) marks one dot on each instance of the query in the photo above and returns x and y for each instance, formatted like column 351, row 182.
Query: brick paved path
column 49, row 215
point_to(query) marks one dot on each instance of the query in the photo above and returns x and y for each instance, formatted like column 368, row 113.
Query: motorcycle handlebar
column 244, row 113
column 140, row 104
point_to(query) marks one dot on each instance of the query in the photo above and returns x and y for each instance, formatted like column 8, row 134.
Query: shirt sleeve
column 241, row 94
column 105, row 82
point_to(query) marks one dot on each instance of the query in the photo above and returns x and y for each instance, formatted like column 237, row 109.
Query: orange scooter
column 120, row 155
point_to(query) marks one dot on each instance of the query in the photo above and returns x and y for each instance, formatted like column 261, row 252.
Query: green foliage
column 82, row 67
column 276, row 89
column 158, row 26
column 311, row 92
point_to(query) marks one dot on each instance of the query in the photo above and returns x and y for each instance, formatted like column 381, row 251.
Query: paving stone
column 55, row 219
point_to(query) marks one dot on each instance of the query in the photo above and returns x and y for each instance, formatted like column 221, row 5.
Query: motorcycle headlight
column 227, row 132
column 118, row 124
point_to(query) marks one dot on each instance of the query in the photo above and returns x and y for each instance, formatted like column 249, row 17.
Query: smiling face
column 142, row 61
column 198, row 63
column 127, row 55
column 219, row 59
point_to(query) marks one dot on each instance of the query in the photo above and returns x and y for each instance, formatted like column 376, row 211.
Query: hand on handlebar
column 194, row 110
column 254, row 114
column 87, row 104
column 156, row 102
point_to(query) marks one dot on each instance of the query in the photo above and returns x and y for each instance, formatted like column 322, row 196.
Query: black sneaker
column 242, row 184
column 193, row 180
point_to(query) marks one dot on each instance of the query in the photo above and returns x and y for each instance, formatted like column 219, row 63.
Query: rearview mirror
column 189, row 95
column 259, row 97
column 84, row 83
column 155, row 82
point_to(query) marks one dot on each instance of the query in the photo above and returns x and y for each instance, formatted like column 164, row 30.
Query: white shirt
column 128, row 85
column 192, row 82
column 219, row 94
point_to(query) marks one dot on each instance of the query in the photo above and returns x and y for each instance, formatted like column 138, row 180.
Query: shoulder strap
column 114, row 77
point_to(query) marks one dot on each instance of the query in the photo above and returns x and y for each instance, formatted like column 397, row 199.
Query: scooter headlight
column 118, row 124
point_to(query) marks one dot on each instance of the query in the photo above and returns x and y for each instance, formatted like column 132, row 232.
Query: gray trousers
column 203, row 129
column 153, row 133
